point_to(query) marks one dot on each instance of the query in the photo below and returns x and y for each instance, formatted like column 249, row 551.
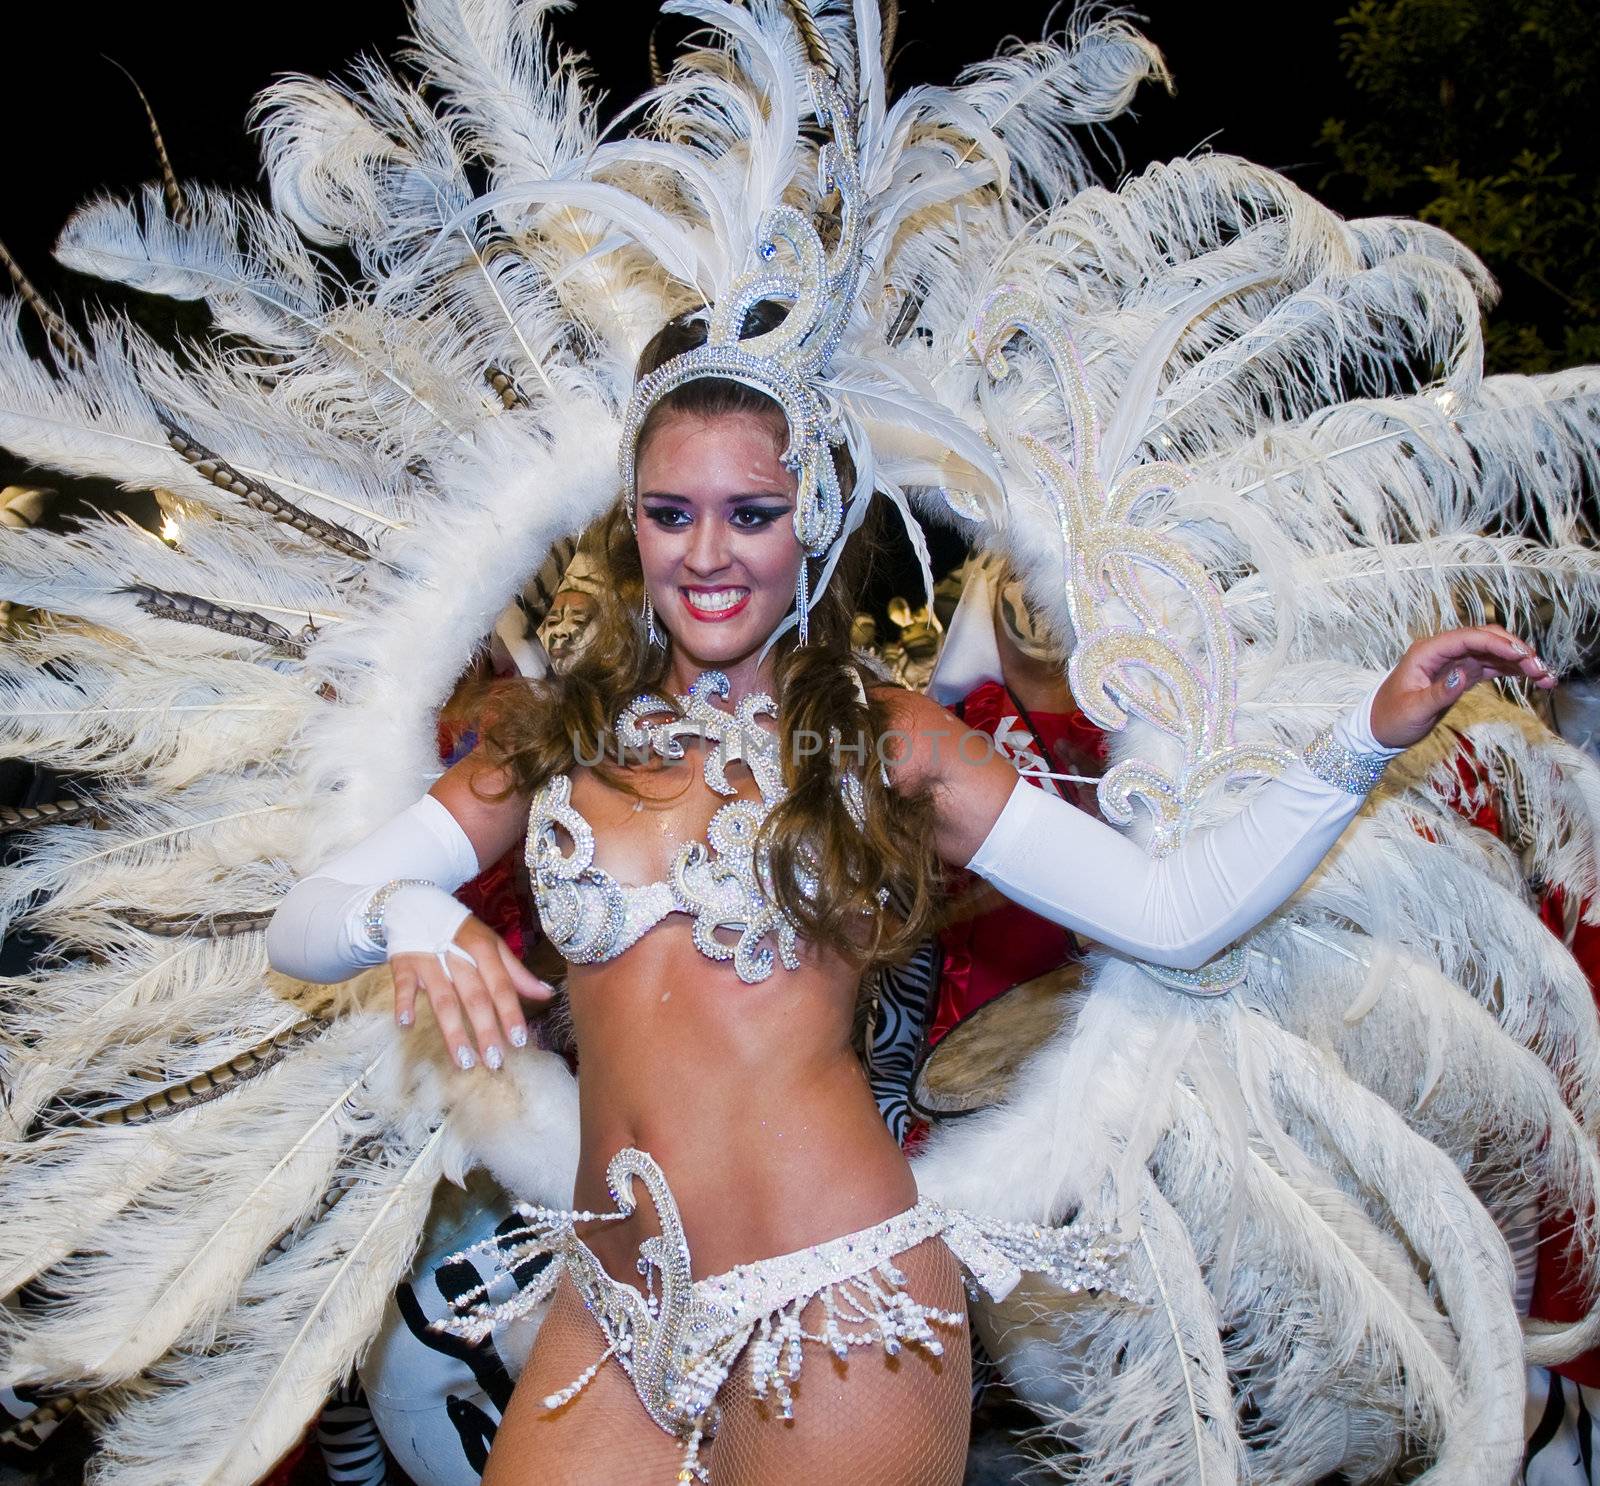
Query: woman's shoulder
column 906, row 705
column 919, row 734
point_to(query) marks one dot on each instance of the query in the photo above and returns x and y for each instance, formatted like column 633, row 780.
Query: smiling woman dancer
column 717, row 881
column 1240, row 453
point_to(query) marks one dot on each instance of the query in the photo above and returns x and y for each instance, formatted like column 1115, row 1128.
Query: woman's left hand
column 1434, row 674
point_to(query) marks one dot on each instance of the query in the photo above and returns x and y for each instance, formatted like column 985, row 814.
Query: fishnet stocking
column 870, row 1419
column 603, row 1437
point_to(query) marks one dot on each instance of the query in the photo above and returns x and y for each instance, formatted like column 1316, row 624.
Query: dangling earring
column 651, row 634
column 802, row 606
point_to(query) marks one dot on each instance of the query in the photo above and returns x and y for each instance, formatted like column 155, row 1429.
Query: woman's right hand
column 475, row 1001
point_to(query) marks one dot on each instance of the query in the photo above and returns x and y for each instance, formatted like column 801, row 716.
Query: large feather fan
column 213, row 1178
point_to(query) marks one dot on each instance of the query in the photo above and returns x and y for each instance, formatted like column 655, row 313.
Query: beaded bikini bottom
column 680, row 1340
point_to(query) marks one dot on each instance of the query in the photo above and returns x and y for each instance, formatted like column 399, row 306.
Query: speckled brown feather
column 62, row 336
column 187, row 608
column 223, row 475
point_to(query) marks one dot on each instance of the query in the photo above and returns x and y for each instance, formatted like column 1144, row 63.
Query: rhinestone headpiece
column 790, row 363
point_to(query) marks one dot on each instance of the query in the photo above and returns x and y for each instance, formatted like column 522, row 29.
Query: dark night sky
column 1255, row 77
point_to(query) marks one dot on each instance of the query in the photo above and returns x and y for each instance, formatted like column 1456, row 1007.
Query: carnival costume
column 1238, row 449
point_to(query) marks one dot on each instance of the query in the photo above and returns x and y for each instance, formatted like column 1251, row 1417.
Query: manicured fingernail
column 493, row 1056
column 405, row 1018
column 466, row 1058
column 519, row 1037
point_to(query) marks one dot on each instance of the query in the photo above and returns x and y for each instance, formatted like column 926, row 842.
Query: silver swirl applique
column 1134, row 594
column 723, row 890
column 723, row 883
column 725, row 887
column 734, row 737
column 565, row 883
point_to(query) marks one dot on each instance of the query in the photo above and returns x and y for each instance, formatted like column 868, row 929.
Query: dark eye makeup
column 763, row 515
column 747, row 517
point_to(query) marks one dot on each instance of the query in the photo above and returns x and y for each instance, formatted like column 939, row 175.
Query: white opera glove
column 389, row 894
column 1180, row 910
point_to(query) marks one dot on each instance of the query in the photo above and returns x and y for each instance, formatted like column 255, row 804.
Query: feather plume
column 1035, row 97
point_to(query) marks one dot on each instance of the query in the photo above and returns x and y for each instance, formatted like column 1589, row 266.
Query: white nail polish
column 519, row 1037
column 466, row 1058
column 405, row 1018
column 493, row 1057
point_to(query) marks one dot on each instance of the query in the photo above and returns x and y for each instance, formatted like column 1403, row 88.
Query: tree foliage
column 1479, row 115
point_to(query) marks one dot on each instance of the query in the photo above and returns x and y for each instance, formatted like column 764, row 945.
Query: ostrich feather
column 1518, row 451
column 1107, row 242
column 366, row 163
column 1437, row 583
column 763, row 114
column 1036, row 96
column 1315, row 1296
column 97, row 426
column 914, row 411
column 400, row 657
column 1373, row 326
column 520, row 101
column 256, row 277
column 1436, row 1056
column 201, row 830
column 250, row 269
column 101, row 422
column 61, row 1211
column 98, row 1036
column 89, row 574
column 1439, row 1215
column 286, row 1342
column 232, row 1194
column 1148, row 1388
column 97, row 706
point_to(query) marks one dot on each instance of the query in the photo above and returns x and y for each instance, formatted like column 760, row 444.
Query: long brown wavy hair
column 535, row 730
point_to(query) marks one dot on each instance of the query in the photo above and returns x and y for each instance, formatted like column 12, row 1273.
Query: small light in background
column 169, row 531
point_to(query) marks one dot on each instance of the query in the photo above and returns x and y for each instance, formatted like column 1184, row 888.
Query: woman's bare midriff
column 749, row 1097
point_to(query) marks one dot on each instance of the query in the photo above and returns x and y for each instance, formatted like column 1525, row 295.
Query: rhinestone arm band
column 1343, row 767
column 377, row 905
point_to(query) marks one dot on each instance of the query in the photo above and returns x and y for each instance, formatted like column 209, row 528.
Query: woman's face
column 716, row 533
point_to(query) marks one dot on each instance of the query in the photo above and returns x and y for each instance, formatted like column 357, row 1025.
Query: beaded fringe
column 857, row 1312
column 473, row 1315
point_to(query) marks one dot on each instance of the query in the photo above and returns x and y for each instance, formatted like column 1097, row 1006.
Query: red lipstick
column 708, row 617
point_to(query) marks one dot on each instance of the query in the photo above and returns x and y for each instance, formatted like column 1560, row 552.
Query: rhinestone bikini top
column 589, row 916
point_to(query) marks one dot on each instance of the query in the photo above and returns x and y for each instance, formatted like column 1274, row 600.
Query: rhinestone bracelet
column 372, row 914
column 1215, row 978
column 1348, row 769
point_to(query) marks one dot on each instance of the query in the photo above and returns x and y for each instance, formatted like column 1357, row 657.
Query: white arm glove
column 1178, row 910
column 318, row 932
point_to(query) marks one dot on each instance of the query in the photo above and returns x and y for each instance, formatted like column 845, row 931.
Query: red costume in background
column 988, row 952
